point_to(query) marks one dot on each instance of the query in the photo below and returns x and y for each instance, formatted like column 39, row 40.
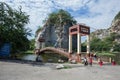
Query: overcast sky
column 97, row 14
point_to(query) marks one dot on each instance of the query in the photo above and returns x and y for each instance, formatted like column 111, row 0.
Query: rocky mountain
column 55, row 37
column 115, row 28
column 56, row 30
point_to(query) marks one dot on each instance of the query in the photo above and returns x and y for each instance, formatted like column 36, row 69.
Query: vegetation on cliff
column 60, row 18
column 117, row 16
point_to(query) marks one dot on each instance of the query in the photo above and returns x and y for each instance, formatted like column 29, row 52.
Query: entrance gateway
column 79, row 30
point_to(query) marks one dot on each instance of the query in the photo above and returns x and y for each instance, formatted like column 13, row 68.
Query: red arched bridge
column 57, row 51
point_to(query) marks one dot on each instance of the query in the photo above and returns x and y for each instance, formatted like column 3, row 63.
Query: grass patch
column 67, row 67
column 105, row 54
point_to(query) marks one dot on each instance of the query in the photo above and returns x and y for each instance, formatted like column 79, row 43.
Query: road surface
column 17, row 70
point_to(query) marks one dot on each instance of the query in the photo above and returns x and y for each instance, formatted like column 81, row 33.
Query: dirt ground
column 19, row 70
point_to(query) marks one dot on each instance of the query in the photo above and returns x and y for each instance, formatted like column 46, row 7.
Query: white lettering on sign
column 85, row 30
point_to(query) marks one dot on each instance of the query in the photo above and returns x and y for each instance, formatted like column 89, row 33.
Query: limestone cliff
column 56, row 30
column 114, row 28
column 55, row 36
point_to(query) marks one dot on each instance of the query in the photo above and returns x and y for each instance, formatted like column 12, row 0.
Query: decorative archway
column 79, row 30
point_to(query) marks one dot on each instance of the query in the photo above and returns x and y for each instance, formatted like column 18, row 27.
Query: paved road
column 14, row 70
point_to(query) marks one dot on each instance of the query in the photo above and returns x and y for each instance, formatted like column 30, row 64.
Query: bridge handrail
column 57, row 50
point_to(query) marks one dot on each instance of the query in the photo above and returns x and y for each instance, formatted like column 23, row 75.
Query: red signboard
column 84, row 29
column 79, row 29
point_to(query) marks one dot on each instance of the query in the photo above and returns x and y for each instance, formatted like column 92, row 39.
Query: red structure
column 79, row 30
column 84, row 30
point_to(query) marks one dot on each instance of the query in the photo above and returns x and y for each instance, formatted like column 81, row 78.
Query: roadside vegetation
column 12, row 28
column 107, row 47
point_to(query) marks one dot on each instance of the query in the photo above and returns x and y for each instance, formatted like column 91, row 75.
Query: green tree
column 83, row 47
column 95, row 44
column 12, row 27
column 32, row 44
column 105, row 44
column 61, row 17
column 116, row 47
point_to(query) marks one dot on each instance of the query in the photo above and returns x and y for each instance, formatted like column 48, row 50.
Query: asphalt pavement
column 19, row 70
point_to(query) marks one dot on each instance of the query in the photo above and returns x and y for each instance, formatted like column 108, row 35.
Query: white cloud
column 107, row 9
column 73, row 4
column 39, row 10
column 70, row 4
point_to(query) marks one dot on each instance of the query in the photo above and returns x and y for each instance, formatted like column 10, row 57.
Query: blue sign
column 5, row 49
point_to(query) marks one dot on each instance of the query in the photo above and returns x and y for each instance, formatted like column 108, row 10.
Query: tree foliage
column 106, row 44
column 60, row 17
column 12, row 27
column 32, row 44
